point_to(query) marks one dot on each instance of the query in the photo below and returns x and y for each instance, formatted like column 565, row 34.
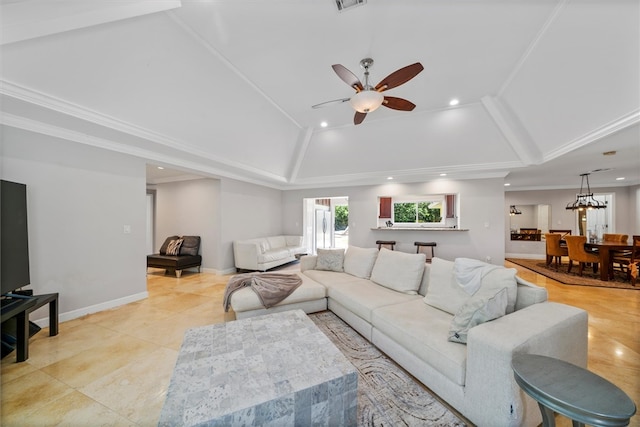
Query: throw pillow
column 330, row 260
column 173, row 248
column 163, row 248
column 444, row 293
column 190, row 245
column 502, row 278
column 359, row 261
column 399, row 271
column 477, row 310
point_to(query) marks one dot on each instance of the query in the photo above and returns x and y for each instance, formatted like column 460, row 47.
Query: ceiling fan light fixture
column 366, row 101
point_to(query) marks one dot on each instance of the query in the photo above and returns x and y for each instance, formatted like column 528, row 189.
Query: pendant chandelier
column 514, row 211
column 585, row 200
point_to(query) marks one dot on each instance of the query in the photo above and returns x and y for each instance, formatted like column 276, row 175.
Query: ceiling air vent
column 348, row 4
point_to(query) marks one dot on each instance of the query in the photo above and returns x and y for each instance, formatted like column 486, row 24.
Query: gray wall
column 249, row 211
column 481, row 205
column 79, row 199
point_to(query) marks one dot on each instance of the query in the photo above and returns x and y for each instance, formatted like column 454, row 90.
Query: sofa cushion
column 445, row 294
column 529, row 294
column 276, row 242
column 330, row 260
column 480, row 308
column 273, row 255
column 423, row 330
column 190, row 245
column 359, row 261
column 330, row 278
column 399, row 271
column 246, row 299
column 293, row 240
column 361, row 297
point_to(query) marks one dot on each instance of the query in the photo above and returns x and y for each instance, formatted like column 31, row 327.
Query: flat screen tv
column 14, row 237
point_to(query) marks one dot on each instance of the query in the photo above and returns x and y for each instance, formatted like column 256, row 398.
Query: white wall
column 481, row 204
column 79, row 199
column 625, row 214
column 189, row 208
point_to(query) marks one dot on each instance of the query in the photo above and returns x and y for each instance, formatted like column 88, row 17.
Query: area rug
column 560, row 274
column 387, row 395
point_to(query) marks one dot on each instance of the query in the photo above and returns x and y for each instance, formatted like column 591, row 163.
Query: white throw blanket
column 469, row 273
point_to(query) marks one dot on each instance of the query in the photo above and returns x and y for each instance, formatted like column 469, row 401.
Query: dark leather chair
column 187, row 256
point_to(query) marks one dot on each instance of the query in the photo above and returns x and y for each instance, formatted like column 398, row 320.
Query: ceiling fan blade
column 399, row 77
column 348, row 77
column 359, row 117
column 329, row 103
column 398, row 103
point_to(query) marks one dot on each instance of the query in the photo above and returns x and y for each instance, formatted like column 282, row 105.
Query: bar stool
column 429, row 249
column 381, row 243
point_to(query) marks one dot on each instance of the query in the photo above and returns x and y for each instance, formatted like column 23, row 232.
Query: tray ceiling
column 221, row 88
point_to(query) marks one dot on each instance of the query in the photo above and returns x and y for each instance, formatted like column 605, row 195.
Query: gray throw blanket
column 271, row 288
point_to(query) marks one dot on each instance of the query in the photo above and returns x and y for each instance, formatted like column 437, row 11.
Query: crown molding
column 513, row 130
column 607, row 129
column 461, row 172
column 532, row 46
column 64, row 107
column 31, row 125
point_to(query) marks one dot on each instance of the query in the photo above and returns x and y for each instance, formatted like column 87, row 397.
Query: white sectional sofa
column 266, row 252
column 416, row 313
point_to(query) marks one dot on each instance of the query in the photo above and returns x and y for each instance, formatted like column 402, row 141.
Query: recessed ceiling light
column 160, row 167
column 324, row 124
column 443, row 174
column 389, row 177
column 506, row 184
column 621, row 178
column 454, row 102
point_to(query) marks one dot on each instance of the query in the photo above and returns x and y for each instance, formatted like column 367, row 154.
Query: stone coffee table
column 272, row 370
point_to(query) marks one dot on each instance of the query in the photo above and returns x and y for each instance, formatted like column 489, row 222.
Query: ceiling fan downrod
column 366, row 63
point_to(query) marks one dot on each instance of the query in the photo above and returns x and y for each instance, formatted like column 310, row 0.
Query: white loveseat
column 266, row 252
column 410, row 310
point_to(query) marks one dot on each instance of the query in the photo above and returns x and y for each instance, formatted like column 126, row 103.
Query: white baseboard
column 226, row 271
column 219, row 272
column 74, row 314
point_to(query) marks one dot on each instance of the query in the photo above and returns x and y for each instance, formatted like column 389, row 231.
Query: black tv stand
column 19, row 306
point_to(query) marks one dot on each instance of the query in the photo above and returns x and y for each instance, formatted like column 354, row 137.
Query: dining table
column 604, row 249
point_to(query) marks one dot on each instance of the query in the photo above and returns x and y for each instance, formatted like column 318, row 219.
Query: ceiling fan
column 368, row 98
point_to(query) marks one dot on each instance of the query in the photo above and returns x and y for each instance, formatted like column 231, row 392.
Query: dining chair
column 618, row 238
column 575, row 246
column 630, row 262
column 554, row 250
column 563, row 233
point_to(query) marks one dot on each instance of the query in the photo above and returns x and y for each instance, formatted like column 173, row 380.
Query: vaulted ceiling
column 225, row 88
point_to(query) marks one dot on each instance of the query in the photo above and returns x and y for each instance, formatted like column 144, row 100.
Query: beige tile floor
column 113, row 368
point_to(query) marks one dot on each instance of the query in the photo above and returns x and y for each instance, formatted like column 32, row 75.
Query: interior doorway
column 326, row 223
column 151, row 215
column 596, row 222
